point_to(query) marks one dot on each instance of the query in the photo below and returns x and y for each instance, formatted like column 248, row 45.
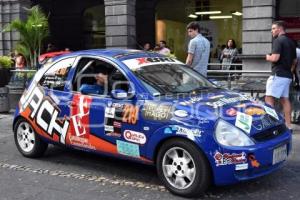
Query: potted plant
column 32, row 33
column 5, row 65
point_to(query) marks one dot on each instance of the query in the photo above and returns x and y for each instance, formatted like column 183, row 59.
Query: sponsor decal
column 243, row 121
column 136, row 63
column 186, row 131
column 179, row 130
column 113, row 134
column 264, row 123
column 81, row 142
column 135, row 137
column 168, row 131
column 229, row 159
column 203, row 121
column 130, row 114
column 117, row 124
column 146, row 128
column 192, row 100
column 216, row 96
column 116, row 114
column 128, row 149
column 271, row 112
column 240, row 106
column 117, row 105
column 108, row 128
column 110, row 112
column 180, row 113
column 225, row 101
column 254, row 111
column 253, row 161
column 159, row 112
column 44, row 112
column 241, row 166
column 80, row 116
column 231, row 112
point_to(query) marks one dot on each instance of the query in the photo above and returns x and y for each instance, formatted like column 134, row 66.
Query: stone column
column 257, row 38
column 120, row 23
column 145, row 22
column 9, row 11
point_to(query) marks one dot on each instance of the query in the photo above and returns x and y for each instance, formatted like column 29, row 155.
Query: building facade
column 78, row 24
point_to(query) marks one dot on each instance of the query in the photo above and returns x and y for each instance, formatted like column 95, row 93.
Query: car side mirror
column 121, row 94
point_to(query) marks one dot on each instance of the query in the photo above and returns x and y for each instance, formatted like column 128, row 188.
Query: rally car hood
column 239, row 110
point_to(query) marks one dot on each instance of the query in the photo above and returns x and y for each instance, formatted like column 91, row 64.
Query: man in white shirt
column 163, row 49
column 198, row 49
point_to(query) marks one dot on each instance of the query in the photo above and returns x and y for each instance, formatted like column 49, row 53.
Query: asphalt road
column 68, row 174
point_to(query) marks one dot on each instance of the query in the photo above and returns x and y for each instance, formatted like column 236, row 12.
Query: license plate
column 279, row 154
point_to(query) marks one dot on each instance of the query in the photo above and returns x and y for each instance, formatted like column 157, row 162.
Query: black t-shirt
column 287, row 49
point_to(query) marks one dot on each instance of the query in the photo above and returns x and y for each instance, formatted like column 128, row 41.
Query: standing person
column 20, row 61
column 147, row 46
column 228, row 55
column 283, row 58
column 163, row 48
column 297, row 72
column 198, row 49
column 50, row 48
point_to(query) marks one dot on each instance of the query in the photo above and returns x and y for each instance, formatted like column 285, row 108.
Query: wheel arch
column 16, row 119
column 163, row 141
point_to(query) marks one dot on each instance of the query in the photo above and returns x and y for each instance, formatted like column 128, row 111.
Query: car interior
column 86, row 70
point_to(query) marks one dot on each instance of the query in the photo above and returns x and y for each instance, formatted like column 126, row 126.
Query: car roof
column 118, row 54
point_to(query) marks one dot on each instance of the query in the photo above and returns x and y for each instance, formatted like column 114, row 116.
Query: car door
column 55, row 117
column 107, row 123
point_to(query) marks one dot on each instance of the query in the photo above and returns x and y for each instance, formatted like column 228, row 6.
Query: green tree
column 32, row 32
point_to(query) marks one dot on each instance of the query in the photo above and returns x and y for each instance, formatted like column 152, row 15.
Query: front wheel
column 27, row 140
column 183, row 168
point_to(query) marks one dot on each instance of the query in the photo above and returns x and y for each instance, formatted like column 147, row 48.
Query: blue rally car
column 153, row 109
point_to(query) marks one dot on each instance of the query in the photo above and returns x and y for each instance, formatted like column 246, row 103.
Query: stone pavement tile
column 296, row 128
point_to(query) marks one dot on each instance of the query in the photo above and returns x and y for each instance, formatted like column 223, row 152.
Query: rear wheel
column 28, row 141
column 183, row 168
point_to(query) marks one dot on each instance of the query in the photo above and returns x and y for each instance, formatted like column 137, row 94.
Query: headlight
column 228, row 135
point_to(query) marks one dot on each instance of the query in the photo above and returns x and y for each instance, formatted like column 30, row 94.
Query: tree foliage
column 32, row 32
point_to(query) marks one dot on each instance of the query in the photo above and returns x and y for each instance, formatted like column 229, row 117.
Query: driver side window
column 97, row 77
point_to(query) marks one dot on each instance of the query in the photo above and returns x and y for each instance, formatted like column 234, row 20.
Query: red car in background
column 46, row 56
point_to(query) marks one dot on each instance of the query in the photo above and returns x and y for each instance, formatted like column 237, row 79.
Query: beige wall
column 174, row 34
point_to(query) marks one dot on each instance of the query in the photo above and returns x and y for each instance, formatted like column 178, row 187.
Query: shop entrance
column 220, row 21
column 75, row 24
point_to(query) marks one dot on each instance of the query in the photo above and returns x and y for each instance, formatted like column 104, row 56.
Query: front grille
column 270, row 133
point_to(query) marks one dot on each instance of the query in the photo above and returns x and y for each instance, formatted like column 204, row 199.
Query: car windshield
column 171, row 79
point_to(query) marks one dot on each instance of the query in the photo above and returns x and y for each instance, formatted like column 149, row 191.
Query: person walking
column 198, row 49
column 283, row 59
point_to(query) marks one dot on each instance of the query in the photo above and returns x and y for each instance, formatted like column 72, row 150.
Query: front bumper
column 259, row 161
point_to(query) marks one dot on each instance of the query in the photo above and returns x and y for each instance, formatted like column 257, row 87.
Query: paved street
column 66, row 174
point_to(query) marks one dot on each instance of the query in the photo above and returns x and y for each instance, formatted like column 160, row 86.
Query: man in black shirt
column 283, row 60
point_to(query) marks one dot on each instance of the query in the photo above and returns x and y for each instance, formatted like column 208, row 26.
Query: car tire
column 27, row 140
column 183, row 168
